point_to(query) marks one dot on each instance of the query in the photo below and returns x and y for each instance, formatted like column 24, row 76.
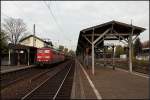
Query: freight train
column 49, row 56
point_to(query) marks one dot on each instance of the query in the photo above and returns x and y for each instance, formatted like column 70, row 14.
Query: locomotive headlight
column 47, row 57
column 40, row 51
column 39, row 57
column 46, row 51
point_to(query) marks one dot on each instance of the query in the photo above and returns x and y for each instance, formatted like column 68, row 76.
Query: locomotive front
column 44, row 56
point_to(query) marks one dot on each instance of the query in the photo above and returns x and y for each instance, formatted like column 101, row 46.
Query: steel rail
column 36, row 88
column 62, row 83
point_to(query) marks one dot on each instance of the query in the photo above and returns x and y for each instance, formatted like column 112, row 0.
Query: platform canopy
column 94, row 37
column 19, row 46
column 116, row 31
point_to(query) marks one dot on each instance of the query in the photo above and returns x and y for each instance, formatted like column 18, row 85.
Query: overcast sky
column 73, row 16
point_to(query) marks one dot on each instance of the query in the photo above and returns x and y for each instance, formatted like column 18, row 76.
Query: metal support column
column 103, row 57
column 34, row 36
column 83, row 58
column 93, row 52
column 93, row 58
column 130, row 53
column 9, row 57
column 28, row 57
column 113, row 58
column 18, row 58
column 93, row 43
column 130, row 50
column 87, row 57
column 104, row 53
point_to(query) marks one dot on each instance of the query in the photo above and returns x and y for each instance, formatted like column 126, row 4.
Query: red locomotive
column 49, row 56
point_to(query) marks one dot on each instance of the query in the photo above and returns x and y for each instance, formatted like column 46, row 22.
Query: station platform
column 107, row 83
column 6, row 69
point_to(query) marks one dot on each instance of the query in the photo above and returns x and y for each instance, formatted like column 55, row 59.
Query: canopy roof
column 118, row 26
column 117, row 30
column 19, row 46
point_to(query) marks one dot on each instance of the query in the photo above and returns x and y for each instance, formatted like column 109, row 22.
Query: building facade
column 35, row 41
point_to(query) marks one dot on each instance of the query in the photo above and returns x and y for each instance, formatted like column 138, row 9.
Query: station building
column 24, row 53
column 35, row 41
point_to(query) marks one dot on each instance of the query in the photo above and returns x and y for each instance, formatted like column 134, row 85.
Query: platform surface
column 6, row 69
column 109, row 83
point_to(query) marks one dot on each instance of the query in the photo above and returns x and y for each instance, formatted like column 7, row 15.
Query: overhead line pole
column 34, row 35
column 23, row 12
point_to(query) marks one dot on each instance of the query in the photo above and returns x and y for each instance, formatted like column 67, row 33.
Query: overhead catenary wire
column 58, row 26
column 54, row 17
column 30, row 19
column 56, row 10
column 49, row 8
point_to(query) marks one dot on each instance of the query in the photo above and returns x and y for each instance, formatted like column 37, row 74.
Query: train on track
column 47, row 56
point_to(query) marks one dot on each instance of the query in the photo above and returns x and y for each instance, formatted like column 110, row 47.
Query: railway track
column 57, row 87
column 27, row 84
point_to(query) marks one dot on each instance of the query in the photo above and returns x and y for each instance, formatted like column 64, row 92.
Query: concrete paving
column 81, row 87
column 6, row 69
column 111, row 84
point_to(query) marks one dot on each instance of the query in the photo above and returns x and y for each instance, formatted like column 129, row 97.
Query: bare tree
column 15, row 28
column 3, row 41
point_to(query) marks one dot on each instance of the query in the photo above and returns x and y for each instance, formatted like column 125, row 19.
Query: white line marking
column 91, row 83
column 61, row 84
column 138, row 74
column 122, row 70
column 81, row 86
column 74, row 85
column 134, row 73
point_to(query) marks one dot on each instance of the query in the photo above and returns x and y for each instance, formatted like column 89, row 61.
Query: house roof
column 31, row 36
column 36, row 38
